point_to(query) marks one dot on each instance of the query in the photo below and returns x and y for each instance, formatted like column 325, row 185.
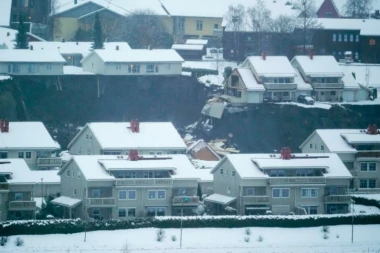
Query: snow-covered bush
column 201, row 209
column 3, row 240
column 260, row 238
column 160, row 235
column 174, row 238
column 247, row 231
column 247, row 239
column 19, row 242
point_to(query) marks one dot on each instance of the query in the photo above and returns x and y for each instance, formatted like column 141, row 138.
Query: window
column 226, row 172
column 88, row 151
column 87, row 136
column 68, row 173
column 96, row 193
column 151, row 194
column 33, row 68
column 156, row 211
column 132, row 194
column 79, row 150
column 156, row 69
column 133, row 68
column 322, row 147
column 345, row 38
column 357, row 38
column 332, row 93
column 339, row 37
column 122, row 194
column 79, row 174
column 311, row 209
column 311, row 145
column 280, row 193
column 216, row 26
column 131, row 212
column 369, row 166
column 351, row 38
column 19, row 196
column 72, row 174
column 1, row 198
column 356, row 56
column 161, row 194
column 118, row 66
column 48, row 66
column 334, row 37
column 368, row 183
column 96, row 212
column 228, row 189
column 122, row 212
column 20, row 154
column 221, row 172
column 149, row 68
column 74, row 192
column 250, row 191
column 181, row 24
column 199, row 25
column 309, row 193
column 13, row 68
column 233, row 173
column 3, row 155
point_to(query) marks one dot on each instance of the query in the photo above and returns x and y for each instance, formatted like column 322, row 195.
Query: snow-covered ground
column 360, row 209
column 315, row 105
column 208, row 240
column 369, row 196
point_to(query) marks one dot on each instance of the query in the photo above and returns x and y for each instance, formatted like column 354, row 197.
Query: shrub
column 247, row 231
column 325, row 236
column 3, row 240
column 174, row 238
column 19, row 242
column 326, row 229
column 247, row 239
column 160, row 235
column 260, row 238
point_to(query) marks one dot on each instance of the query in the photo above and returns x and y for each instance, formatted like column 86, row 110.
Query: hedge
column 366, row 202
column 200, row 72
column 31, row 227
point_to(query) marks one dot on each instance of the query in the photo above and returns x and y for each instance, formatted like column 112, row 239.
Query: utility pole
column 180, row 238
column 352, row 221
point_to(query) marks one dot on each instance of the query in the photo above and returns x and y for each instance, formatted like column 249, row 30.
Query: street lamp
column 352, row 221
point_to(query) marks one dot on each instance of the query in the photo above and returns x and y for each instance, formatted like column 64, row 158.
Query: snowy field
column 205, row 240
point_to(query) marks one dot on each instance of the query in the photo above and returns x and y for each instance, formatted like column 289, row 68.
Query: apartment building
column 280, row 184
column 110, row 187
column 20, row 186
column 358, row 149
column 29, row 141
column 118, row 138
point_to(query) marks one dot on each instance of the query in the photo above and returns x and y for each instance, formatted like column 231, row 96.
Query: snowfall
column 211, row 240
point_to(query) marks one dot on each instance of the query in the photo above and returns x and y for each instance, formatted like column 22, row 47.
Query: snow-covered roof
column 361, row 138
column 26, row 55
column 349, row 81
column 21, row 173
column 333, row 139
column 73, row 70
column 66, row 201
column 82, row 48
column 365, row 74
column 220, row 199
column 301, row 84
column 367, row 27
column 249, row 80
column 196, row 42
column 7, row 37
column 27, row 135
column 5, row 12
column 320, row 65
column 272, row 66
column 198, row 47
column 97, row 167
column 138, row 55
column 340, row 5
column 118, row 135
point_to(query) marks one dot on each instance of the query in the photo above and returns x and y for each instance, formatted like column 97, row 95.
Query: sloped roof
column 340, row 5
column 249, row 79
column 320, row 65
column 364, row 73
column 273, row 66
column 27, row 135
column 26, row 55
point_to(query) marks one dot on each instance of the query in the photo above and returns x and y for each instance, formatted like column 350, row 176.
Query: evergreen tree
column 97, row 34
column 21, row 37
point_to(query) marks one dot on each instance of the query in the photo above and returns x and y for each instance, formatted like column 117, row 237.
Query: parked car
column 305, row 99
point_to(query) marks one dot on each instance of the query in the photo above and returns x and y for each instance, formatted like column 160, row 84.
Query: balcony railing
column 4, row 186
column 49, row 162
column 280, row 86
column 365, row 191
column 255, row 200
column 144, row 182
column 369, row 154
column 22, row 205
column 185, row 201
column 337, row 198
column 297, row 180
column 328, row 85
column 101, row 201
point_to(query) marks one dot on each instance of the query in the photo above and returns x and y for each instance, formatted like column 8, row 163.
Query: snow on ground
column 369, row 196
column 4, row 77
column 316, row 105
column 208, row 240
column 360, row 209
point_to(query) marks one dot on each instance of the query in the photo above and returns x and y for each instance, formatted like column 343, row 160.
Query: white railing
column 22, row 205
column 185, row 200
column 365, row 191
column 255, row 199
column 297, row 180
column 49, row 162
column 101, row 201
column 280, row 86
column 328, row 85
column 144, row 182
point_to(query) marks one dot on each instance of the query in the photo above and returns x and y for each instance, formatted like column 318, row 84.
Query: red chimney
column 311, row 54
column 133, row 155
column 132, row 126
column 137, row 126
column 1, row 125
column 372, row 129
column 6, row 126
column 264, row 56
column 286, row 153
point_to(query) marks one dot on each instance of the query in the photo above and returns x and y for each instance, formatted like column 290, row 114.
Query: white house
column 29, row 141
column 357, row 148
column 24, row 62
column 118, row 138
column 159, row 62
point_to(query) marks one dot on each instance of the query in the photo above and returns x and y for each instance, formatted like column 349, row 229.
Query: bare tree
column 284, row 24
column 307, row 20
column 259, row 21
column 358, row 8
column 235, row 22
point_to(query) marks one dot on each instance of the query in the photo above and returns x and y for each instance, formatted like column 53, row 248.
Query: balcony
column 248, row 200
column 101, row 202
column 328, row 85
column 144, row 182
column 185, row 201
column 337, row 198
column 22, row 205
column 280, row 86
column 368, row 154
column 297, row 181
column 4, row 187
column 51, row 162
